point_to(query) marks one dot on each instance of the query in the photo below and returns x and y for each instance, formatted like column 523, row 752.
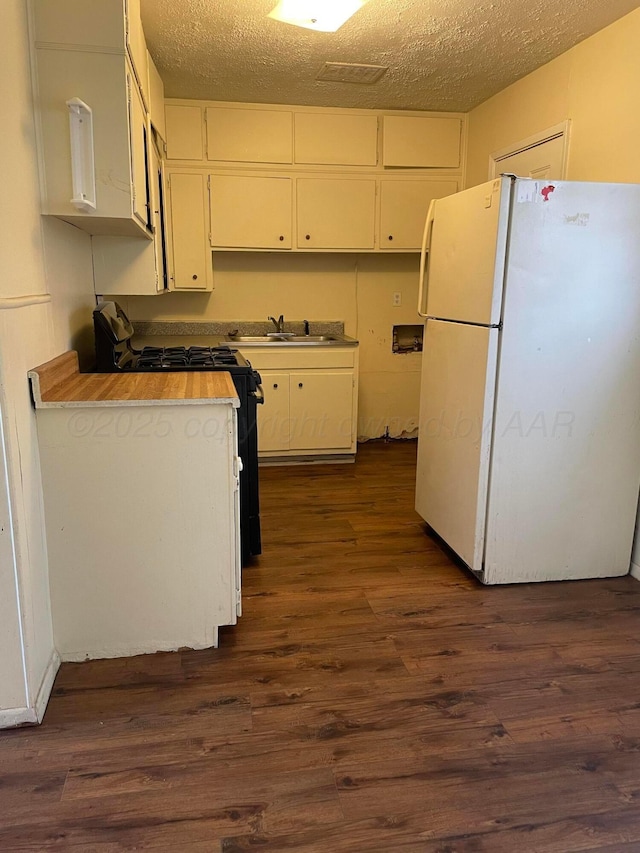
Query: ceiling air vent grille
column 351, row 72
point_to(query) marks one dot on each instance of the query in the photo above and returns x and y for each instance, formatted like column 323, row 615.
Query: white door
column 544, row 160
column 465, row 263
column 456, row 411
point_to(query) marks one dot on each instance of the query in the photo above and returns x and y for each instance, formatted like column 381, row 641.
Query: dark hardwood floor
column 374, row 697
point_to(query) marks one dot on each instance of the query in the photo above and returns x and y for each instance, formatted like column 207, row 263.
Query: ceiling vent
column 351, row 72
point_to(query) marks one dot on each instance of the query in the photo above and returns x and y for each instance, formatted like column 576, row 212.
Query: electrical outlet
column 397, row 299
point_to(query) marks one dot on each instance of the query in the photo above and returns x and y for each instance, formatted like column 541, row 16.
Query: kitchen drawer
column 273, row 357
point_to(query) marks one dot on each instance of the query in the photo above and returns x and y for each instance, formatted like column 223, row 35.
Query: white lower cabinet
column 321, row 410
column 273, row 415
column 151, row 562
column 310, row 400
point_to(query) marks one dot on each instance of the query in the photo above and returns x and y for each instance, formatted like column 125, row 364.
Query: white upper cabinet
column 137, row 46
column 336, row 213
column 421, row 142
column 404, row 204
column 79, row 23
column 184, row 132
column 336, row 139
column 190, row 265
column 249, row 135
column 250, row 212
column 139, row 142
column 81, row 53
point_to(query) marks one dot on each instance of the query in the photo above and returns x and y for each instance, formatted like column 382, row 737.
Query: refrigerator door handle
column 424, row 260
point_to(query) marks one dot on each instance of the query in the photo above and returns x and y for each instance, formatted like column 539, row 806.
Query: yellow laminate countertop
column 59, row 384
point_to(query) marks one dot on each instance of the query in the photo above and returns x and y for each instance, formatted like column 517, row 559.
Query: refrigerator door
column 465, row 263
column 456, row 412
column 566, row 459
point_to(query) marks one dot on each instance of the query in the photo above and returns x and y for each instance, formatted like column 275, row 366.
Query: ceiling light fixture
column 326, row 16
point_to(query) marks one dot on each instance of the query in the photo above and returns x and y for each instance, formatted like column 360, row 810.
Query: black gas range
column 115, row 353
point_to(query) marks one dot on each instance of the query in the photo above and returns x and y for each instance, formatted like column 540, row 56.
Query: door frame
column 562, row 129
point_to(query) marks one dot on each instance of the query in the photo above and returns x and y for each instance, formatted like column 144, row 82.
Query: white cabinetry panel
column 251, row 211
column 273, row 415
column 336, row 213
column 184, row 132
column 173, row 577
column 249, row 135
column 321, row 410
column 336, row 139
column 421, row 141
column 403, row 209
column 156, row 99
column 189, row 215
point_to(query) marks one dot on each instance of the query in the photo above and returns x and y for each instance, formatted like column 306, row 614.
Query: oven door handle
column 259, row 394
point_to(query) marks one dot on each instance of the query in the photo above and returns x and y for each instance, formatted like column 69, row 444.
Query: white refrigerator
column 529, row 431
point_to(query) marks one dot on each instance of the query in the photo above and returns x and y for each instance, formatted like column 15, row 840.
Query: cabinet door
column 336, row 213
column 250, row 212
column 190, row 255
column 403, row 210
column 321, row 410
column 158, row 220
column 273, row 416
column 137, row 45
column 249, row 135
column 183, row 127
column 421, row 142
column 139, row 137
column 336, row 139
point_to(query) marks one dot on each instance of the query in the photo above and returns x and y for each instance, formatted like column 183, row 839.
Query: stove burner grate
column 195, row 357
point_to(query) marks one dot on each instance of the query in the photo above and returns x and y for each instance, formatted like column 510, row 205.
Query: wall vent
column 351, row 72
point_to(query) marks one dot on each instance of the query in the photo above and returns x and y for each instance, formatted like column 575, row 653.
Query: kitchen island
column 140, row 479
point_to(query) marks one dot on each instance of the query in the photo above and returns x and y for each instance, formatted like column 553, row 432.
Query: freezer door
column 566, row 457
column 465, row 264
column 456, row 412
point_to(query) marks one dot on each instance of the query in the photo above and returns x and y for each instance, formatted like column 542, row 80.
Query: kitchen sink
column 258, row 339
column 286, row 338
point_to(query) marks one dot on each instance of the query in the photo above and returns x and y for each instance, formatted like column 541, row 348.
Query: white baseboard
column 46, row 685
column 11, row 718
column 634, row 571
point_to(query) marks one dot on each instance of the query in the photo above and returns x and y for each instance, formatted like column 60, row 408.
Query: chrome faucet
column 279, row 323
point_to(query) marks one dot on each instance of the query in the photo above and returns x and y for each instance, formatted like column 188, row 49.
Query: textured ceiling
column 442, row 54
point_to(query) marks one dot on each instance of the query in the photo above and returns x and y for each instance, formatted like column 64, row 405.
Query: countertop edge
column 58, row 384
column 111, row 404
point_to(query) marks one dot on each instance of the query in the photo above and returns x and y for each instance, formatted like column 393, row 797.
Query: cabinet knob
column 281, row 238
column 391, row 236
column 307, row 236
column 275, row 384
column 299, row 384
column 194, row 277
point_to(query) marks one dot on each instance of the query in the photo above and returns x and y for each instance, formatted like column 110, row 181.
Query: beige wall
column 357, row 289
column 595, row 85
column 40, row 315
